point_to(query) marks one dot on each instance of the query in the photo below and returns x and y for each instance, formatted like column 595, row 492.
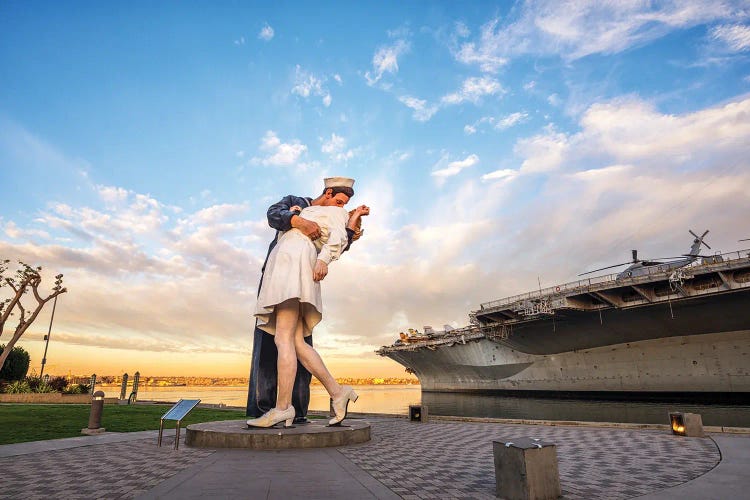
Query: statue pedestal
column 316, row 434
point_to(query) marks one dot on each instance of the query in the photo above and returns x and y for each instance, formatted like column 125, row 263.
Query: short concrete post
column 526, row 469
column 686, row 424
column 95, row 417
column 124, row 387
column 418, row 413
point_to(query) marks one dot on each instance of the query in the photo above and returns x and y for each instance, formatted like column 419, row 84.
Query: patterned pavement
column 415, row 460
column 454, row 459
column 114, row 470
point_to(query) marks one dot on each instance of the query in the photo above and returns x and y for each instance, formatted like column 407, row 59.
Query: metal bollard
column 95, row 417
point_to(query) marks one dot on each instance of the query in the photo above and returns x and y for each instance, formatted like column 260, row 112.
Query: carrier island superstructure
column 662, row 330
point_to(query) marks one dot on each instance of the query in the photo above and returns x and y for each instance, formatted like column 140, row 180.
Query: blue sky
column 497, row 143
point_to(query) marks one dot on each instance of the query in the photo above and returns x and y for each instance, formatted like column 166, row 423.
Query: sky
column 501, row 146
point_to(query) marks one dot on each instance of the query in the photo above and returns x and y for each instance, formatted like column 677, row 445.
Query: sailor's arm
column 282, row 218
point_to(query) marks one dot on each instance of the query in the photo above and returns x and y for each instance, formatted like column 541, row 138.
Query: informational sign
column 177, row 413
column 180, row 409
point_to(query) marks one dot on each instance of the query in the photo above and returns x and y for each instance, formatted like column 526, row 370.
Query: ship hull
column 706, row 363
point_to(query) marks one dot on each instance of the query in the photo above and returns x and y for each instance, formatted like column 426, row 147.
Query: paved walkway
column 441, row 459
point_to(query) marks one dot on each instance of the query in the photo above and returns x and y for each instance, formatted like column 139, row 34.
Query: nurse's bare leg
column 311, row 360
column 287, row 318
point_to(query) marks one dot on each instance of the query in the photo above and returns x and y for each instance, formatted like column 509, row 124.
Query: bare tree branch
column 26, row 277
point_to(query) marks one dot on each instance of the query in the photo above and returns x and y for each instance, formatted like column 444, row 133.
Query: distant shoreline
column 153, row 382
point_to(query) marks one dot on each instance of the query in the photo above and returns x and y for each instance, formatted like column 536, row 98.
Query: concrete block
column 418, row 413
column 686, row 424
column 526, row 469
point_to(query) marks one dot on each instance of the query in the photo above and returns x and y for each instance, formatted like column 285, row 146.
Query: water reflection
column 649, row 412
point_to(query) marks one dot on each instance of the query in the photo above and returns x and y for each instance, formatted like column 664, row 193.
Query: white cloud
column 385, row 60
column 338, row 79
column 112, row 194
column 462, row 31
column 401, row 33
column 486, row 53
column 631, row 129
column 501, row 174
column 240, row 41
column 473, row 89
column 266, row 33
column 510, row 120
column 736, row 37
column 543, row 152
column 422, row 111
column 279, row 153
column 307, row 84
column 164, row 273
column 529, row 86
column 554, row 100
column 469, row 161
column 501, row 123
column 13, row 231
column 454, row 167
column 335, row 148
column 573, row 30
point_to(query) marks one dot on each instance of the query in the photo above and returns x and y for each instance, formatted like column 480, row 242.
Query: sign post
column 177, row 413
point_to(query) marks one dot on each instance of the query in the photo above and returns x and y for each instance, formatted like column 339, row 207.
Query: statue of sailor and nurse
column 310, row 234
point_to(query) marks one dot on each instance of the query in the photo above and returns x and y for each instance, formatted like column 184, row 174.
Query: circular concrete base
column 315, row 434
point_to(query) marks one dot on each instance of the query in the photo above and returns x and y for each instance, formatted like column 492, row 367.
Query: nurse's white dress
column 289, row 271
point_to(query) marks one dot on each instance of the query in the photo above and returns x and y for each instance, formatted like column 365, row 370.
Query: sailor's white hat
column 332, row 182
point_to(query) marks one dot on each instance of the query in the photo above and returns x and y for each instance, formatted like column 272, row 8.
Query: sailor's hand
column 320, row 270
column 308, row 227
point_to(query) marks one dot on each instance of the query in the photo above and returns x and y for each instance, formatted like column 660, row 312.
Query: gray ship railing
column 588, row 283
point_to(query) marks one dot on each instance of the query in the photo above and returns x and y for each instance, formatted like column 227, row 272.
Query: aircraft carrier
column 679, row 327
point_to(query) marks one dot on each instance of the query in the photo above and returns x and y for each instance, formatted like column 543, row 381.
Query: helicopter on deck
column 640, row 267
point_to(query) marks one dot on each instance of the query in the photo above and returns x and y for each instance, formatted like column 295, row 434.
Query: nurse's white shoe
column 273, row 417
column 341, row 404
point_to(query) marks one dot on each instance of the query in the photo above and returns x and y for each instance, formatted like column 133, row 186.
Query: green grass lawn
column 20, row 423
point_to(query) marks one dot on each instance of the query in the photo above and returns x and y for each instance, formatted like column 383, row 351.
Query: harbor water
column 395, row 399
column 390, row 399
column 586, row 410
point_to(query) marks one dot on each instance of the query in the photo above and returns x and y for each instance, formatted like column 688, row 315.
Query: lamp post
column 46, row 337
